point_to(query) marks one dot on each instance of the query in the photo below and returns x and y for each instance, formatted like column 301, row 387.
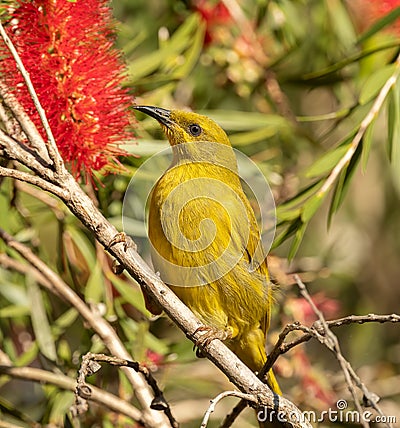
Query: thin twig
column 50, row 280
column 99, row 396
column 52, row 147
column 219, row 397
column 331, row 342
column 33, row 179
column 369, row 118
column 90, row 365
column 25, row 123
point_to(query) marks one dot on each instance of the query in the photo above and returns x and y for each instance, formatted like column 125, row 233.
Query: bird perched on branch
column 205, row 239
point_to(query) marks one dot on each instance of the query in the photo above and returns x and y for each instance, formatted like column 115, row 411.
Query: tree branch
column 52, row 282
column 98, row 396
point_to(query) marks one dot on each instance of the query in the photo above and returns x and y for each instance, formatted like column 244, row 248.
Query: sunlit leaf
column 327, row 162
column 311, row 207
column 375, row 82
column 130, row 292
column 14, row 311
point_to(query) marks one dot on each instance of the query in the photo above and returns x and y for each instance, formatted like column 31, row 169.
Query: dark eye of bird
column 195, row 129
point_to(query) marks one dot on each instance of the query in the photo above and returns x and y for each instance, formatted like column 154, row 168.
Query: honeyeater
column 205, row 238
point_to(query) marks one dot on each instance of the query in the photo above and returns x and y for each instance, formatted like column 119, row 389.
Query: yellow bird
column 205, row 238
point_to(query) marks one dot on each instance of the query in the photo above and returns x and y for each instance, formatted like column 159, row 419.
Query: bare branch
column 90, row 364
column 328, row 339
column 51, row 281
column 24, row 121
column 98, row 396
column 219, row 397
column 33, row 179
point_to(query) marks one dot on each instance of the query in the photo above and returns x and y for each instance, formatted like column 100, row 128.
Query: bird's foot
column 208, row 334
column 122, row 238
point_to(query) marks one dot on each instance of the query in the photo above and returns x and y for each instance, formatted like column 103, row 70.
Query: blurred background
column 289, row 81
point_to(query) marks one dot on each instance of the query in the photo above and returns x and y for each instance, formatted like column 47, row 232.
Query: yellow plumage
column 205, row 238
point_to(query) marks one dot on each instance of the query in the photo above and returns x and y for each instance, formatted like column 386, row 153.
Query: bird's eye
column 195, row 129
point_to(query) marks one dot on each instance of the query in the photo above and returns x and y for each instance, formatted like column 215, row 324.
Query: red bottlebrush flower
column 371, row 10
column 303, row 312
column 67, row 48
column 212, row 15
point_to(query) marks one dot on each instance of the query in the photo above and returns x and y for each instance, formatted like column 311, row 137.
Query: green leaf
column 298, row 237
column 367, row 144
column 393, row 106
column 169, row 51
column 14, row 311
column 327, row 162
column 234, row 120
column 95, row 285
column 311, row 207
column 287, row 233
column 40, row 322
column 246, row 138
column 130, row 292
column 380, row 24
column 327, row 71
column 343, row 183
column 83, row 243
column 66, row 319
column 62, row 401
column 375, row 82
column 394, row 136
column 299, row 199
column 28, row 356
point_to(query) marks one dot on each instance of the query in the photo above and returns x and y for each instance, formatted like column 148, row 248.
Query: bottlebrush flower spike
column 379, row 8
column 67, row 48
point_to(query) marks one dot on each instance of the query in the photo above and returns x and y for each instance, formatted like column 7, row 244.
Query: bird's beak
column 160, row 114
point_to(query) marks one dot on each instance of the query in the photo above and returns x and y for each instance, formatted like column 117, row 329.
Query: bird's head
column 186, row 127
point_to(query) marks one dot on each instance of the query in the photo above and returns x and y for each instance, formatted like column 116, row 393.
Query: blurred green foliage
column 291, row 82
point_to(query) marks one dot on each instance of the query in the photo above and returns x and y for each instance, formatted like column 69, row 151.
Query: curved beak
column 158, row 113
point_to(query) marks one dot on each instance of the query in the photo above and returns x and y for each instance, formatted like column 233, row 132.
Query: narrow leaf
column 298, row 199
column 393, row 106
column 367, row 144
column 380, row 24
column 297, row 241
column 40, row 322
column 95, row 285
column 327, row 162
column 287, row 233
column 311, row 207
column 344, row 183
column 375, row 82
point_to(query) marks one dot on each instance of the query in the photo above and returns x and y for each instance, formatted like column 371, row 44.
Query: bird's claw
column 122, row 238
column 208, row 334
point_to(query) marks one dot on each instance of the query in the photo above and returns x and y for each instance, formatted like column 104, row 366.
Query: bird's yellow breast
column 202, row 229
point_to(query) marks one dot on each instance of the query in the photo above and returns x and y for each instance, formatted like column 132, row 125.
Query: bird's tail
column 273, row 383
column 264, row 419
